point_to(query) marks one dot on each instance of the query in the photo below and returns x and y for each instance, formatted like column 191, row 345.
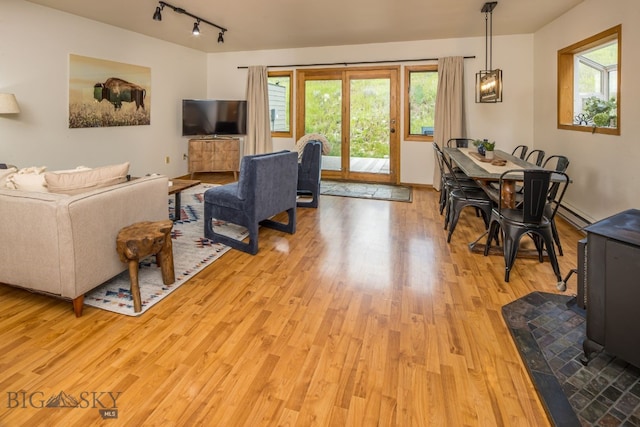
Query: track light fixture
column 157, row 16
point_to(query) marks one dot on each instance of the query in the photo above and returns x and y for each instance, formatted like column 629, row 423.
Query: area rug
column 360, row 190
column 192, row 252
column 548, row 330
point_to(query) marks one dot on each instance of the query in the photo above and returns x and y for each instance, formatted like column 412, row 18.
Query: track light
column 157, row 16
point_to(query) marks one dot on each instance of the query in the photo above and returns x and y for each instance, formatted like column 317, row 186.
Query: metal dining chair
column 459, row 142
column 558, row 163
column 533, row 217
column 536, row 157
column 460, row 197
column 520, row 151
column 447, row 179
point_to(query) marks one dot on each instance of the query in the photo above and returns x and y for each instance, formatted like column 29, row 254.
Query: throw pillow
column 76, row 182
column 28, row 179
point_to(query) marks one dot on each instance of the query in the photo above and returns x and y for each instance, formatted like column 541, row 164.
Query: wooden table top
column 178, row 185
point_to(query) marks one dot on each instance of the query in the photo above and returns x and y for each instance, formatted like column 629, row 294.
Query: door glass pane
column 369, row 125
column 323, row 115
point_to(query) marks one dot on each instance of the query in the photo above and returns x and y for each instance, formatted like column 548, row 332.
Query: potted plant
column 479, row 144
column 489, row 147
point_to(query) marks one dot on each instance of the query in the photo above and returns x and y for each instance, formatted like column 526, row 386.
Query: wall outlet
column 167, row 160
column 184, row 156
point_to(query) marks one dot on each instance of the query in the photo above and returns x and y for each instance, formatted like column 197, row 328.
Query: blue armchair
column 309, row 174
column 266, row 187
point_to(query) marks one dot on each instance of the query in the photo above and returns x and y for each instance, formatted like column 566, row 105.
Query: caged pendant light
column 488, row 81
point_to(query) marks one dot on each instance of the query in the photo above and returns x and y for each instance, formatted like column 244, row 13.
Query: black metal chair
column 446, row 179
column 459, row 142
column 532, row 217
column 520, row 151
column 460, row 197
column 561, row 165
column 536, row 157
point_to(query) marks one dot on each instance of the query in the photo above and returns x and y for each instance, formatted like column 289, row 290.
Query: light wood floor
column 364, row 317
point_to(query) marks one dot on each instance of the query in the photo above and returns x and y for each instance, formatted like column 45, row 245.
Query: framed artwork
column 106, row 93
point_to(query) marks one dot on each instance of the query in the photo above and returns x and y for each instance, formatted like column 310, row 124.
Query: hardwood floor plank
column 365, row 316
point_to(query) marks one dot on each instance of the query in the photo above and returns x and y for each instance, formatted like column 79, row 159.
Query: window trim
column 285, row 73
column 565, row 113
column 407, row 125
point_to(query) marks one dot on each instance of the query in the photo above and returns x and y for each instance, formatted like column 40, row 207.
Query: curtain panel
column 258, row 139
column 449, row 118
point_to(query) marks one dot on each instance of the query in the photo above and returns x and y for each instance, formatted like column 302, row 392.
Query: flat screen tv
column 208, row 117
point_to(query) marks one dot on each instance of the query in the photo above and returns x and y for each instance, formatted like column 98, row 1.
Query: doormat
column 192, row 252
column 396, row 193
column 548, row 330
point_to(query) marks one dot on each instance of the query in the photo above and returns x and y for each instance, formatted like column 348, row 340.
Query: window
column 280, row 103
column 589, row 84
column 421, row 86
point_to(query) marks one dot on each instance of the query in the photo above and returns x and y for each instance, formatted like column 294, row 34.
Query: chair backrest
column 535, row 156
column 459, row 142
column 537, row 184
column 561, row 165
column 271, row 180
column 447, row 167
column 520, row 151
column 439, row 156
column 311, row 161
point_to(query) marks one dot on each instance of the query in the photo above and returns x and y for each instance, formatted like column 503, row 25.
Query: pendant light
column 488, row 81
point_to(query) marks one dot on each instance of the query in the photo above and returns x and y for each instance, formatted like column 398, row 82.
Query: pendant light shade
column 489, row 81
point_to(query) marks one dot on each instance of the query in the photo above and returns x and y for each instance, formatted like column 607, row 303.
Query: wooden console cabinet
column 214, row 155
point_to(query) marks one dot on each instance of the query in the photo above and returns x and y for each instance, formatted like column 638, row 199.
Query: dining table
column 487, row 172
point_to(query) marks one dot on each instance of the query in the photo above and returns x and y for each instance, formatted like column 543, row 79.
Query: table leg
column 508, row 195
column 135, row 287
column 177, row 214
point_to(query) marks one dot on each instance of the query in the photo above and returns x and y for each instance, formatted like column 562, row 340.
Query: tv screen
column 204, row 117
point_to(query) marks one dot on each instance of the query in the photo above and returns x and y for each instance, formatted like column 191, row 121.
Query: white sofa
column 66, row 245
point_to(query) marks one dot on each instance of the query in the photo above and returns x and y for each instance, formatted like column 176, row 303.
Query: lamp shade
column 8, row 104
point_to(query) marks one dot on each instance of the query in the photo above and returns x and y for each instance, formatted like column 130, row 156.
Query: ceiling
column 285, row 24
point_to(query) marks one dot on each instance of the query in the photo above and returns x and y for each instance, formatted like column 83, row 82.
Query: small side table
column 140, row 240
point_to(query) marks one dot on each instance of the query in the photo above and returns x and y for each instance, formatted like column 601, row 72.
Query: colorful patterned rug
column 192, row 252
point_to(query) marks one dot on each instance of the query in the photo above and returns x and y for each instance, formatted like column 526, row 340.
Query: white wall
column 603, row 167
column 34, row 65
column 509, row 123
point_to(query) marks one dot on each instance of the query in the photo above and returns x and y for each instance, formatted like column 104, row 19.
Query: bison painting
column 117, row 91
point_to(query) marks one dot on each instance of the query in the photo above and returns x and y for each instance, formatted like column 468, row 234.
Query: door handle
column 393, row 130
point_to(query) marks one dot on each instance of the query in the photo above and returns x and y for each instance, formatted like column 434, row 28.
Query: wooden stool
column 140, row 240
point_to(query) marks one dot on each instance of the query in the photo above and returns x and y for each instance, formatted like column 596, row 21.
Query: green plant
column 489, row 145
column 599, row 111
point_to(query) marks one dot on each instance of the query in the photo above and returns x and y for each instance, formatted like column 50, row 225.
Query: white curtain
column 449, row 118
column 258, row 139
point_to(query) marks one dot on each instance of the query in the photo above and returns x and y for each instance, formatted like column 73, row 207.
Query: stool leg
column 135, row 287
column 165, row 261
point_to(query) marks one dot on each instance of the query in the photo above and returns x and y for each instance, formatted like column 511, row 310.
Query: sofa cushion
column 27, row 179
column 79, row 181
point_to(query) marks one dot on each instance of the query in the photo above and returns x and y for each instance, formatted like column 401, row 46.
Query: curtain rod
column 353, row 63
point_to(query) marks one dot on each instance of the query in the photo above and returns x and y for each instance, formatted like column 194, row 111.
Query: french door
column 356, row 109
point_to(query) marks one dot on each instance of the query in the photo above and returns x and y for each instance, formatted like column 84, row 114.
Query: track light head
column 157, row 16
column 196, row 28
column 221, row 37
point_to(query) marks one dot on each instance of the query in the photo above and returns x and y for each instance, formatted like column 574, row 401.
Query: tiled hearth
column 548, row 330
